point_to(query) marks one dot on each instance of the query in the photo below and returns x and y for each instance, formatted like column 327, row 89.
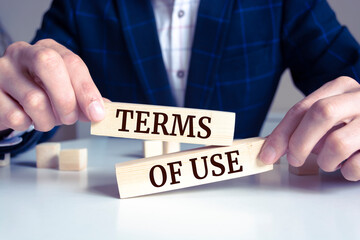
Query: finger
column 339, row 146
column 47, row 69
column 82, row 116
column 11, row 54
column 351, row 168
column 12, row 115
column 319, row 145
column 277, row 143
column 14, row 59
column 88, row 96
column 318, row 120
column 106, row 100
column 33, row 100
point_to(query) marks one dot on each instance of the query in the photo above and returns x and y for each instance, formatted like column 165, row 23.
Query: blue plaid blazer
column 240, row 50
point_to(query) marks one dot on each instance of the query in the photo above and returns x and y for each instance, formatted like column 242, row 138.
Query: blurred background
column 21, row 18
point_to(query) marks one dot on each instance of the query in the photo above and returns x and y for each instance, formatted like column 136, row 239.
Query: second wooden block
column 47, row 155
column 73, row 159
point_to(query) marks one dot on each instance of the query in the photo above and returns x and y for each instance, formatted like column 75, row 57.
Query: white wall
column 23, row 17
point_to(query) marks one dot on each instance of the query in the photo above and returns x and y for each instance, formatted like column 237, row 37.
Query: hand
column 45, row 84
column 326, row 123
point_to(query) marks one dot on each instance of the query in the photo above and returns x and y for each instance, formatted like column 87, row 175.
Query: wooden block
column 310, row 167
column 152, row 148
column 151, row 122
column 73, row 159
column 6, row 161
column 190, row 168
column 171, row 147
column 47, row 155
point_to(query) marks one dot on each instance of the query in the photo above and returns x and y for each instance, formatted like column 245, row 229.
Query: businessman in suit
column 226, row 55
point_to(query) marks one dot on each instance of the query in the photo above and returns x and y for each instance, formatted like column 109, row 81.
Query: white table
column 50, row 204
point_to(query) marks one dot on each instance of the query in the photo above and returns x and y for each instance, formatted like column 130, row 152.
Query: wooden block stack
column 177, row 169
column 165, row 167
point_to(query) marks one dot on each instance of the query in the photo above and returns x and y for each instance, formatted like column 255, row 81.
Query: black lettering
column 139, row 121
column 157, row 123
column 194, row 168
column 231, row 161
column 123, row 126
column 182, row 128
column 172, row 172
column 203, row 126
column 217, row 164
column 152, row 178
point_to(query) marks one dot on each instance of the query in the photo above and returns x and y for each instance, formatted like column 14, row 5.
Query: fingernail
column 268, row 154
column 96, row 111
column 293, row 161
column 70, row 118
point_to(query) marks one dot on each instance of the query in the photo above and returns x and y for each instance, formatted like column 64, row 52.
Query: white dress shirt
column 175, row 21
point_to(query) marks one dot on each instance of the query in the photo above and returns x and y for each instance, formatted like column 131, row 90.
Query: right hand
column 46, row 84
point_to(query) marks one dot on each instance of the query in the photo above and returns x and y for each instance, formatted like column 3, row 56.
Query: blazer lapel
column 139, row 27
column 211, row 29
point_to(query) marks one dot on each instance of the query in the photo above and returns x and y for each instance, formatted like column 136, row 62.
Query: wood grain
column 187, row 168
column 150, row 122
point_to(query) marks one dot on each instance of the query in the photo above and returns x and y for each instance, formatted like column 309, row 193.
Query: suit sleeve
column 58, row 24
column 316, row 48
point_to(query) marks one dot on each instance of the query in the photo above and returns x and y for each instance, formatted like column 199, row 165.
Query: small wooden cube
column 310, row 167
column 171, row 147
column 47, row 155
column 152, row 148
column 6, row 161
column 73, row 159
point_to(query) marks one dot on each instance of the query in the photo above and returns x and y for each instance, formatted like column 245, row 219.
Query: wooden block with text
column 171, row 147
column 47, row 155
column 190, row 168
column 174, row 124
column 152, row 148
column 310, row 167
column 73, row 159
column 5, row 161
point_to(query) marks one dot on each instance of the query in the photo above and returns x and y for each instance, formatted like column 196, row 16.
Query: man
column 239, row 49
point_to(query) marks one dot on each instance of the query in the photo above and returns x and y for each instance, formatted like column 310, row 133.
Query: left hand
column 327, row 123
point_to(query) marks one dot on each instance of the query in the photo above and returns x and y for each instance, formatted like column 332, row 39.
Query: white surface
column 51, row 204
